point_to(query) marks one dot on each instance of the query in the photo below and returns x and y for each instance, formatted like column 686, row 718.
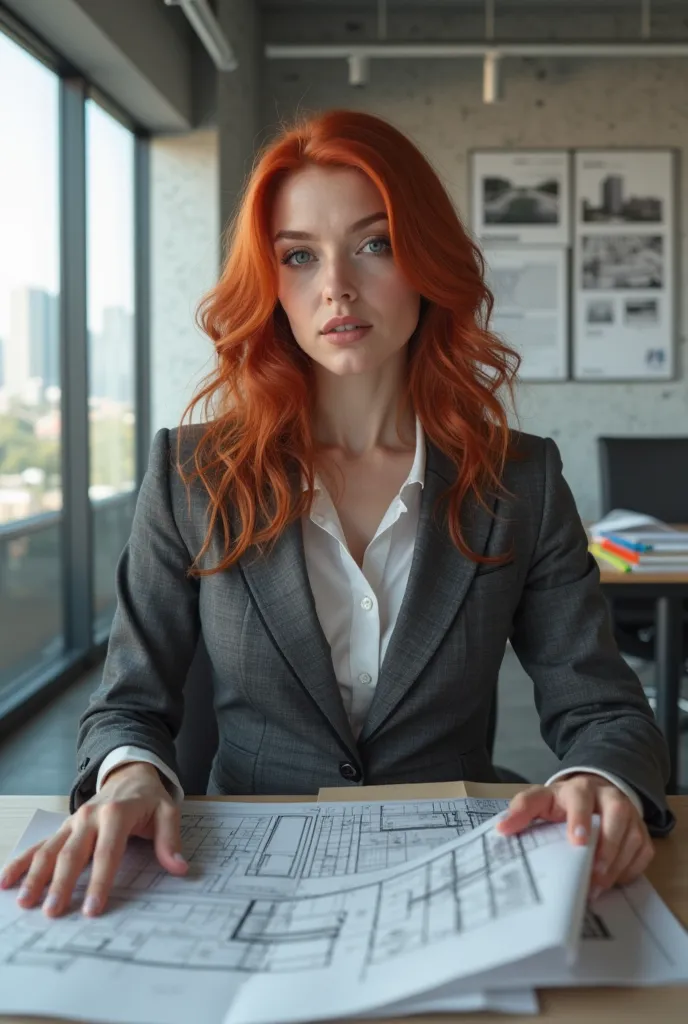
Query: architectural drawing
column 200, row 923
column 231, row 911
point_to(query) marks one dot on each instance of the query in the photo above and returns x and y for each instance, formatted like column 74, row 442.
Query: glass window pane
column 112, row 414
column 30, row 429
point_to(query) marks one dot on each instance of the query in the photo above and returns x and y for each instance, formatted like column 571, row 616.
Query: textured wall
column 185, row 255
column 551, row 103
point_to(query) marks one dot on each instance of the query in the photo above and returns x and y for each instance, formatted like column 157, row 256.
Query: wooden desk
column 668, row 591
column 668, row 873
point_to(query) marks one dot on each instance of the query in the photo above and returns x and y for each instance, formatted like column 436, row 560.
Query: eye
column 381, row 243
column 290, row 258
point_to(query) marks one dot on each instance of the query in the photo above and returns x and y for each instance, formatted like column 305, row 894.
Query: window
column 29, row 287
column 111, row 348
column 31, row 615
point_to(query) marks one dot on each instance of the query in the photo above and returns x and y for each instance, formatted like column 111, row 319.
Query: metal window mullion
column 142, row 310
column 77, row 529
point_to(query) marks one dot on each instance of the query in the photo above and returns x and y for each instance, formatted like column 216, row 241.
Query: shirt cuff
column 130, row 755
column 614, row 779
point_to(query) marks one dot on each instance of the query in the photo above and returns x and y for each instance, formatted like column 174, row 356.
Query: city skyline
column 30, row 353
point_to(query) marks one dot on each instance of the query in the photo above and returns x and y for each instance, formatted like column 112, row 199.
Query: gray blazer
column 281, row 721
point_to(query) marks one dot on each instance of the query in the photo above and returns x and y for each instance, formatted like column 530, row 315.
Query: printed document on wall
column 530, row 313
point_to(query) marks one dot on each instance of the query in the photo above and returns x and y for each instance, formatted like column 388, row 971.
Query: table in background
column 668, row 873
column 668, row 591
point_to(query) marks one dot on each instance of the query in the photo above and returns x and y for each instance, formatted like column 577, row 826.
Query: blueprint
column 328, row 901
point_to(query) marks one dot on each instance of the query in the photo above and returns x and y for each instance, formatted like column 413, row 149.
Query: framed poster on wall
column 521, row 197
column 530, row 287
column 624, row 265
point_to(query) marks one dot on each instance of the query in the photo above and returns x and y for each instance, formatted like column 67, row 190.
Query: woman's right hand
column 132, row 802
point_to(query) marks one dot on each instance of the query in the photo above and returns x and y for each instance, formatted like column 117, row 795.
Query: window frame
column 84, row 647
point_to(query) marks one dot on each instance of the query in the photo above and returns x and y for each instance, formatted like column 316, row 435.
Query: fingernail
column 179, row 857
column 23, row 893
column 580, row 832
column 51, row 901
column 4, row 879
column 594, row 893
column 91, row 904
column 601, row 869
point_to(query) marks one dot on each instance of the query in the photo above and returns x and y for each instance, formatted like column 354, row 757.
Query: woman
column 355, row 533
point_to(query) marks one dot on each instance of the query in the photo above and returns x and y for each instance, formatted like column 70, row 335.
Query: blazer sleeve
column 592, row 708
column 154, row 635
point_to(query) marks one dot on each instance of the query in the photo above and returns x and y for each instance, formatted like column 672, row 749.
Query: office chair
column 650, row 475
column 197, row 739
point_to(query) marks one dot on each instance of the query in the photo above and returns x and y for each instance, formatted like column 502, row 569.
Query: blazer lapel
column 438, row 581
column 282, row 593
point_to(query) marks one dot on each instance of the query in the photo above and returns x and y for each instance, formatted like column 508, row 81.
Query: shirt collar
column 416, row 473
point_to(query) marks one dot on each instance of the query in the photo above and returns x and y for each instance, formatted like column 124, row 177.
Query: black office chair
column 197, row 740
column 650, row 475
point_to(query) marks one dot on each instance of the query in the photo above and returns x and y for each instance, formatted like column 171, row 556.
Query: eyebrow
column 304, row 236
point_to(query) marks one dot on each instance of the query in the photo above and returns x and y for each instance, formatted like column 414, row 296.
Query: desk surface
column 610, row 575
column 668, row 873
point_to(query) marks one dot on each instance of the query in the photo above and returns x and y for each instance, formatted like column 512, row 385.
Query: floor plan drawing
column 207, row 926
column 360, row 905
column 353, row 838
column 206, row 920
column 264, row 852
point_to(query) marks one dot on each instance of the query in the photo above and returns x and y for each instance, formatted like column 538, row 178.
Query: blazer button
column 349, row 771
column 83, row 764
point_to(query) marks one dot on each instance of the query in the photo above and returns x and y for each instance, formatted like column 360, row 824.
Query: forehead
column 317, row 196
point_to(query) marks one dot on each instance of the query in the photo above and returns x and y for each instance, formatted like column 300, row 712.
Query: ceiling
column 500, row 5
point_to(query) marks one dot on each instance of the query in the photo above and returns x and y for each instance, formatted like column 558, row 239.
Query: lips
column 344, row 321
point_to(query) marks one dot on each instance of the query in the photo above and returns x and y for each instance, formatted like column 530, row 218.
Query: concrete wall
column 185, row 227
column 550, row 103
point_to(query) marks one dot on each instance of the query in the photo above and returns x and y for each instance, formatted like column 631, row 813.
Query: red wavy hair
column 259, row 398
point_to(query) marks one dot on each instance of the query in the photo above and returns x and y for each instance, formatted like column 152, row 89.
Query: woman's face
column 335, row 262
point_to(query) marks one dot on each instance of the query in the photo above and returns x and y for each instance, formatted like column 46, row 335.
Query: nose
column 338, row 285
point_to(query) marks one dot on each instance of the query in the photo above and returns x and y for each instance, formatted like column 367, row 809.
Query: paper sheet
column 257, row 899
column 629, row 938
column 520, row 1001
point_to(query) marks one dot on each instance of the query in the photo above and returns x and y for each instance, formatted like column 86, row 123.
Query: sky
column 29, row 190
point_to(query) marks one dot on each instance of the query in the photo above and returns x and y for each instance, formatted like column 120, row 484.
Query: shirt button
column 366, row 604
column 365, row 677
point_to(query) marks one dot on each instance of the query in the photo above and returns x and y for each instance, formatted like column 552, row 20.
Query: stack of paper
column 298, row 912
column 633, row 542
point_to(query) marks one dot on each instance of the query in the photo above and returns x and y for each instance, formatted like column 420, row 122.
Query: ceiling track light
column 204, row 22
column 492, row 78
column 359, row 69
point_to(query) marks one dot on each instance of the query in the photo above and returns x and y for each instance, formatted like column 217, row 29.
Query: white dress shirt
column 357, row 607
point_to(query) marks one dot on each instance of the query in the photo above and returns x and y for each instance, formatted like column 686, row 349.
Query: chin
column 349, row 364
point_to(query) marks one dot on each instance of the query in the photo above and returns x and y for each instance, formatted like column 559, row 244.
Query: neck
column 358, row 413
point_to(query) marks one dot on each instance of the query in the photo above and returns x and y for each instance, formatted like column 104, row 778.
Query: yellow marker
column 607, row 556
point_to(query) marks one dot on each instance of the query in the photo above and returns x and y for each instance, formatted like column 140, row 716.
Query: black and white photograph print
column 628, row 262
column 505, row 202
column 521, row 197
column 624, row 187
column 617, row 205
column 599, row 311
column 624, row 263
column 641, row 312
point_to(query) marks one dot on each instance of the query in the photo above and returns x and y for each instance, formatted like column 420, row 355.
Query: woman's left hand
column 624, row 847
